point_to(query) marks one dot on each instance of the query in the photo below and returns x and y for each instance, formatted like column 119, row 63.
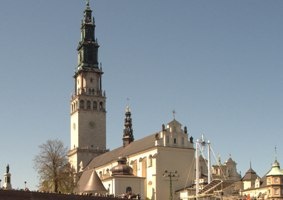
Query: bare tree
column 52, row 165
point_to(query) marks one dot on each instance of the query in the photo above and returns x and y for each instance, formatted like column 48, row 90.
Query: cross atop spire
column 87, row 3
column 128, row 136
column 174, row 113
column 275, row 149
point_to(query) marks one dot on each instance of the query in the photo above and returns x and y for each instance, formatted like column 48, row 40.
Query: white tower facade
column 7, row 179
column 88, row 111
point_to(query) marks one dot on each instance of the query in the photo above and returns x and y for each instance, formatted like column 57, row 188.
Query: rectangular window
column 268, row 181
column 150, row 161
column 135, row 167
column 175, row 141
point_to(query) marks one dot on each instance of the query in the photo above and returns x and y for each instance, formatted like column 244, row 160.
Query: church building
column 153, row 167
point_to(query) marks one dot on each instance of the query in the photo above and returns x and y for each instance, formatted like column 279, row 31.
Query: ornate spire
column 128, row 136
column 88, row 45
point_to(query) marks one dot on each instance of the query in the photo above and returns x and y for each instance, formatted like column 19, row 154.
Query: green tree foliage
column 55, row 173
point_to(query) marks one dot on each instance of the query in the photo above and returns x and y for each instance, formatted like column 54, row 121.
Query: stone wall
column 27, row 195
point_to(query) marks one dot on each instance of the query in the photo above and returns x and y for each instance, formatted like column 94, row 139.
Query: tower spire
column 88, row 45
column 128, row 136
column 88, row 102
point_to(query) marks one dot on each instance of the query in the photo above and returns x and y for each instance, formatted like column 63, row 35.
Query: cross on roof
column 174, row 113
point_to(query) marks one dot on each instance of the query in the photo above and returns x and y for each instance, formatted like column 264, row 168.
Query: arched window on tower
column 82, row 104
column 88, row 105
column 94, row 105
column 101, row 106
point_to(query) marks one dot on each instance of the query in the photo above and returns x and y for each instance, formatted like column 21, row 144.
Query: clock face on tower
column 91, row 124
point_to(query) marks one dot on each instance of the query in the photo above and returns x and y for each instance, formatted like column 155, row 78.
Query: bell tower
column 88, row 111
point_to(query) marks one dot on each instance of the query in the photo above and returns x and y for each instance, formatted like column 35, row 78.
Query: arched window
column 134, row 165
column 94, row 105
column 82, row 104
column 101, row 106
column 88, row 105
column 128, row 190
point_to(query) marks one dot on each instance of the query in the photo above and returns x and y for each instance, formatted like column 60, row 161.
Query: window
column 144, row 166
column 100, row 106
column 175, row 141
column 94, row 105
column 129, row 190
column 167, row 139
column 82, row 104
column 268, row 182
column 150, row 161
column 88, row 105
column 135, row 167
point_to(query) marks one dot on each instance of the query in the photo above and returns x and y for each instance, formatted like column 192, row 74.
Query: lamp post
column 25, row 185
column 170, row 175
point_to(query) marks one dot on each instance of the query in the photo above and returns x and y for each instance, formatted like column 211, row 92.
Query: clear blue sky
column 218, row 63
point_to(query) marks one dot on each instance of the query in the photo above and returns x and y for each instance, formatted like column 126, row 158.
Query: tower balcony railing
column 89, row 92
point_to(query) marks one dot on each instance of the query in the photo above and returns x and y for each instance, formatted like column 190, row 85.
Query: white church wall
column 179, row 164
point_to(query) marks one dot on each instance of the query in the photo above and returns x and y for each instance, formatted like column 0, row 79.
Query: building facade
column 269, row 186
column 164, row 160
column 161, row 163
